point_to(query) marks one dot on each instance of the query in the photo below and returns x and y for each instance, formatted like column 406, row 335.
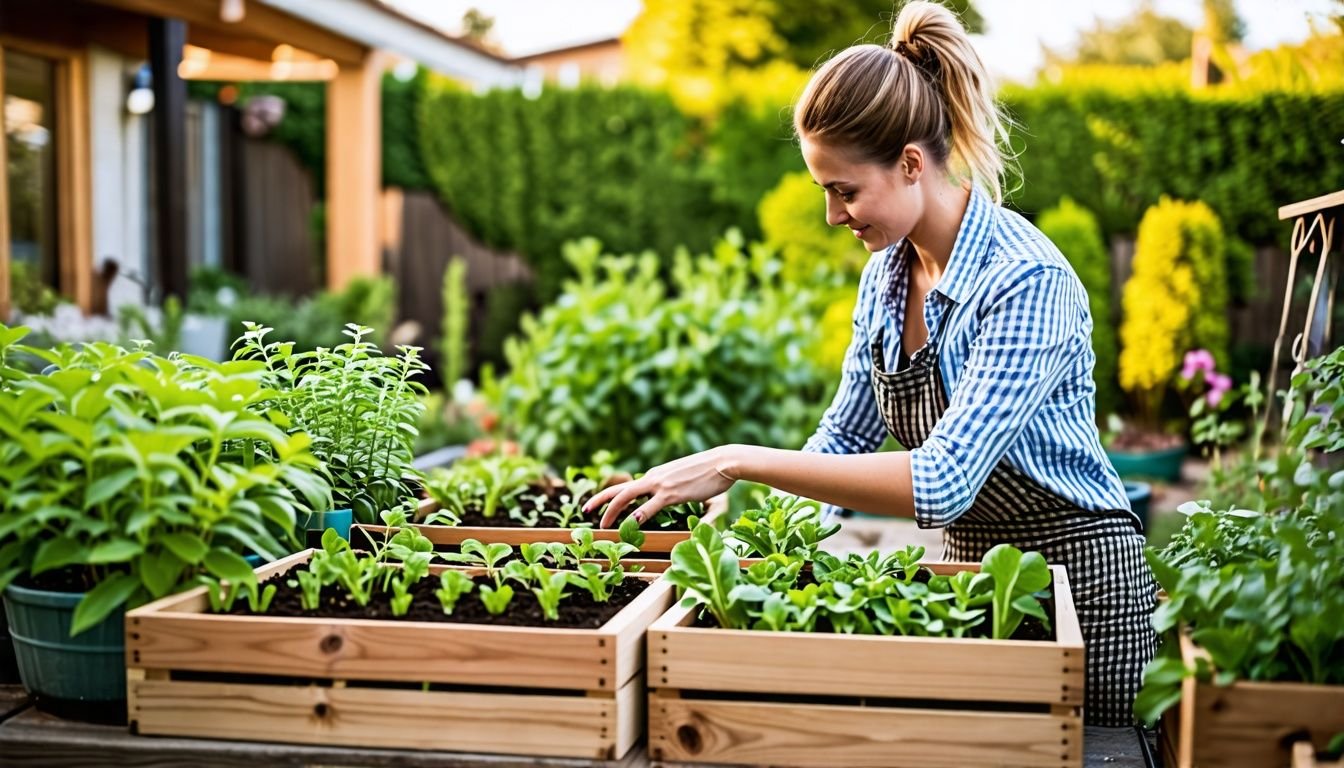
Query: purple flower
column 1196, row 361
column 1219, row 384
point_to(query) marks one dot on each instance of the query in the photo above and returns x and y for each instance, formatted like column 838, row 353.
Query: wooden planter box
column 800, row 699
column 515, row 690
column 451, row 535
column 1246, row 723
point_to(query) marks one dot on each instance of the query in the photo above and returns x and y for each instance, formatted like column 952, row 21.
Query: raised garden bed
column 398, row 683
column 1246, row 723
column 795, row 698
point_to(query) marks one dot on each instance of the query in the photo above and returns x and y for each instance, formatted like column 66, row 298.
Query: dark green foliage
column 402, row 163
column 617, row 164
column 1073, row 229
column 751, row 147
column 1117, row 153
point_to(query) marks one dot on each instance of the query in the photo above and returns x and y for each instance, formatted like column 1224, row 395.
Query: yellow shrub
column 837, row 328
column 793, row 222
column 1175, row 299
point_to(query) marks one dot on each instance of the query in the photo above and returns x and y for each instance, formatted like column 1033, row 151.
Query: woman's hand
column 692, row 478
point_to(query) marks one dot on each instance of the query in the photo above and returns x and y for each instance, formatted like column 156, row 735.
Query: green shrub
column 1175, row 299
column 793, row 220
column 652, row 370
column 310, row 323
column 453, row 331
column 1074, row 230
column 525, row 174
column 1117, row 151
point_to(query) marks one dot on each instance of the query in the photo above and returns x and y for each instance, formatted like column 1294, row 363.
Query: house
column 599, row 60
column 96, row 169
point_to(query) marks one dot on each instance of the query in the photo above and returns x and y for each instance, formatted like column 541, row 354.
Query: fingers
column 619, row 497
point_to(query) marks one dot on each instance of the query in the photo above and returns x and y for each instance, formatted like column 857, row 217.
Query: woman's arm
column 874, row 482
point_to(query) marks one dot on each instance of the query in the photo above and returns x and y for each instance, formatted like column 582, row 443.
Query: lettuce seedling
column 1019, row 581
column 452, row 586
column 496, row 601
column 550, row 590
column 598, row 581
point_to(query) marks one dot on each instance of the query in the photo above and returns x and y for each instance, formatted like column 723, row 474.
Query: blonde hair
column 927, row 87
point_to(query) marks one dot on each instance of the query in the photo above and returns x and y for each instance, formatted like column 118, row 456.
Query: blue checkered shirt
column 1014, row 339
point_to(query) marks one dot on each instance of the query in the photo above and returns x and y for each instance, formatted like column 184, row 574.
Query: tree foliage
column 1146, row 38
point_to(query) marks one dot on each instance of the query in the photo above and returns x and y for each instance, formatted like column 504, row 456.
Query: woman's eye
column 845, row 196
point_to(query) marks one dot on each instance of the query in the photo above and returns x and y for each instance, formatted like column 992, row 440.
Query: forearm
column 876, row 483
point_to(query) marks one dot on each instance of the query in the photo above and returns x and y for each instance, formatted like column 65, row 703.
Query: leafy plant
column 135, row 473
column 484, row 483
column 452, row 586
column 785, row 527
column 1020, row 580
column 360, row 407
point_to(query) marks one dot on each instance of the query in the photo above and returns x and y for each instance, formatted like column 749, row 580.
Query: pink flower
column 1196, row 361
column 1219, row 384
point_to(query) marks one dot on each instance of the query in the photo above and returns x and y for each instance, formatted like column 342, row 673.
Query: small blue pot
column 318, row 522
column 1140, row 495
column 1162, row 465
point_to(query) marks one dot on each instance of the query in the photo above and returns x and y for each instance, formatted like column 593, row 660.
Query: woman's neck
column 936, row 233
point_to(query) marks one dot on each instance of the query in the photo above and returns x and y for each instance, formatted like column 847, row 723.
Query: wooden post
column 166, row 38
column 354, row 171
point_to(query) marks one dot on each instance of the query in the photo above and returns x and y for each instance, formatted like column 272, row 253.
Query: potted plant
column 361, row 409
column 124, row 477
column 770, row 663
column 1253, row 646
column 510, row 656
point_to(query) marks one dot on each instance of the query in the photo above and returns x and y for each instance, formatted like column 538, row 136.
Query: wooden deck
column 32, row 738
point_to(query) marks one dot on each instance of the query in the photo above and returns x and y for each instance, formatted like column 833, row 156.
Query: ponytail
column 928, row 87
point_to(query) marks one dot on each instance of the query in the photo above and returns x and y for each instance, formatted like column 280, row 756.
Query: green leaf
column 228, row 566
column 110, row 594
column 115, row 551
column 58, row 553
column 187, row 546
column 106, row 487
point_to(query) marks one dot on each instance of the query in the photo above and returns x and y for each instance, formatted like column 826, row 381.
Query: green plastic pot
column 1164, row 465
column 81, row 677
column 318, row 522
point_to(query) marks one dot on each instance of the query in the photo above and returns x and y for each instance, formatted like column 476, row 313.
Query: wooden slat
column 849, row 665
column 573, row 726
column 1246, row 723
column 757, row 733
column 354, row 171
column 174, row 633
column 1305, row 207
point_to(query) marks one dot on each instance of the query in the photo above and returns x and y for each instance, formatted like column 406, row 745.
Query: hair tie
column 921, row 57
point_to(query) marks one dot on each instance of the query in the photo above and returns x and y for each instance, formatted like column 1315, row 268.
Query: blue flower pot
column 81, row 677
column 1164, row 465
column 318, row 522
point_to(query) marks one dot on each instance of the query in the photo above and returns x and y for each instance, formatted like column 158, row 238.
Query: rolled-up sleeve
column 1027, row 337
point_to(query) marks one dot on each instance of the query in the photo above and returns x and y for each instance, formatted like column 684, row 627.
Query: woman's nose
column 835, row 211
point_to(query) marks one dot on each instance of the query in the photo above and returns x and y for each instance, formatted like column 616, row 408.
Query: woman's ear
column 912, row 162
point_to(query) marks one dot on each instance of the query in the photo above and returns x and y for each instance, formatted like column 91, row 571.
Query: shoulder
column 1021, row 256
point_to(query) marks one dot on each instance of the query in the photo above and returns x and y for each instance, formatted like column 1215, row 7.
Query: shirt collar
column 970, row 248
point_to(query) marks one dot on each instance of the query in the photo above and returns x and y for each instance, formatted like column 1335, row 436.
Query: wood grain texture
column 570, row 726
column 165, row 635
column 849, row 665
column 1246, row 723
column 750, row 733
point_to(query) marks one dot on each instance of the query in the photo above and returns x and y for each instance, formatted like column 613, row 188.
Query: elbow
column 940, row 488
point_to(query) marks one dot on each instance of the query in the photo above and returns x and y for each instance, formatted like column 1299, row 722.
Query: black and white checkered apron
column 1113, row 588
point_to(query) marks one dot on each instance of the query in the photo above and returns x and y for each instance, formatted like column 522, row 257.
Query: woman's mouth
column 859, row 231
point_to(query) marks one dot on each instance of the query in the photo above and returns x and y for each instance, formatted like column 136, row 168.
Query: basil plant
column 128, row 476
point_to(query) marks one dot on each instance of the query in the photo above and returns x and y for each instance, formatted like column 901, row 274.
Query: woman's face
column 879, row 204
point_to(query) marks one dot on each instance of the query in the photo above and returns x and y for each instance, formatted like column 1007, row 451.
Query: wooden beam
column 74, row 184
column 354, row 171
column 261, row 23
column 166, row 38
column 223, row 66
column 1332, row 200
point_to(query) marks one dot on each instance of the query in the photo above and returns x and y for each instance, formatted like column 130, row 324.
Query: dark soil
column 70, row 580
column 540, row 498
column 577, row 611
column 1140, row 441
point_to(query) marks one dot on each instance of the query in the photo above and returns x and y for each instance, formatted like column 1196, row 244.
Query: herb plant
column 134, row 474
column 360, row 407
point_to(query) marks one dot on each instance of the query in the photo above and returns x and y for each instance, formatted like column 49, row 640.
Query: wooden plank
column 1315, row 204
column 792, row 734
column 172, row 633
column 260, row 22
column 13, row 699
column 849, row 665
column 570, row 726
column 1246, row 723
column 39, row 740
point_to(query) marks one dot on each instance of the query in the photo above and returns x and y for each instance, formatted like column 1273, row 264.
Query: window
column 29, row 89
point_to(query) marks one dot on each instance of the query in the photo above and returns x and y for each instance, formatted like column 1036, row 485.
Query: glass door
column 29, row 112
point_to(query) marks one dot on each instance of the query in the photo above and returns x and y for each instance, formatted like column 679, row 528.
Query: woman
column 972, row 347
